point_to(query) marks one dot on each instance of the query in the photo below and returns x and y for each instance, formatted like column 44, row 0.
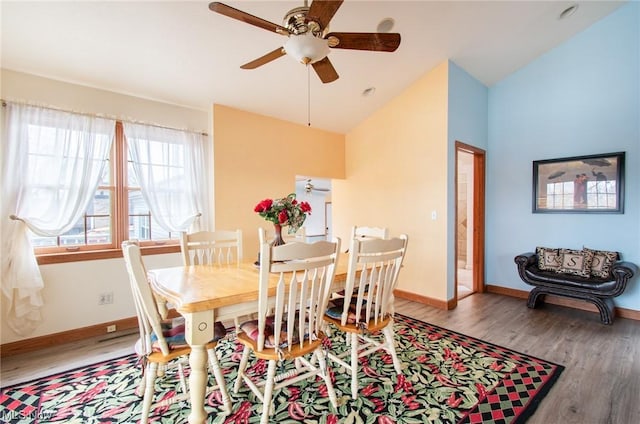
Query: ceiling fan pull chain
column 308, row 97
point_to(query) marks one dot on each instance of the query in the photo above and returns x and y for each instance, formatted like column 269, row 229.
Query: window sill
column 93, row 255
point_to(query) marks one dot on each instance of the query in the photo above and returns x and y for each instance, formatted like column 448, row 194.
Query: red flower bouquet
column 285, row 211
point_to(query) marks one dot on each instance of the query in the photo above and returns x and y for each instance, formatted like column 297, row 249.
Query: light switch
column 434, row 215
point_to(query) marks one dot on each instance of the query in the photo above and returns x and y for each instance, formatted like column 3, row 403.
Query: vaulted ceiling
column 180, row 52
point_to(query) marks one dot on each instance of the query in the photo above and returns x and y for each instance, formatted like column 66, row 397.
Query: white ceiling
column 180, row 52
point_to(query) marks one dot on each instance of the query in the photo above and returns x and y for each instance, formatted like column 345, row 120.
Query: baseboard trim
column 436, row 303
column 50, row 340
column 520, row 294
column 563, row 301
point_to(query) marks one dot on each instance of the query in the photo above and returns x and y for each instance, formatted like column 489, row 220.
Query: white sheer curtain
column 171, row 168
column 51, row 165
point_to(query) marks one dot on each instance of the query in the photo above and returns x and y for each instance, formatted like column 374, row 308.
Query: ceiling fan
column 309, row 187
column 308, row 38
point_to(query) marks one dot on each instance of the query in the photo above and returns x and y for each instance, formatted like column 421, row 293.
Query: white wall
column 24, row 87
column 72, row 289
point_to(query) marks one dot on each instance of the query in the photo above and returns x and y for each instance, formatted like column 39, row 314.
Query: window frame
column 119, row 190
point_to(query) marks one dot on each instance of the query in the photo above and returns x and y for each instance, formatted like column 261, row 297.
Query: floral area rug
column 447, row 378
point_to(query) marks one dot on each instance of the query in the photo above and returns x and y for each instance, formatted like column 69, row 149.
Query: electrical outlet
column 111, row 328
column 105, row 298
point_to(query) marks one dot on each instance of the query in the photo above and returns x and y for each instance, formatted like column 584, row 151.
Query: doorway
column 316, row 192
column 328, row 220
column 469, row 244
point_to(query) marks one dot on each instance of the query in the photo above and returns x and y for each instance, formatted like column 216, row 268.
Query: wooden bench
column 599, row 291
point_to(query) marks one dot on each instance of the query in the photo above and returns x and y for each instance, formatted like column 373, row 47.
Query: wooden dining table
column 200, row 293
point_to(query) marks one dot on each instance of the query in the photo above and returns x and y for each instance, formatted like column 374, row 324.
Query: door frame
column 479, row 171
column 328, row 217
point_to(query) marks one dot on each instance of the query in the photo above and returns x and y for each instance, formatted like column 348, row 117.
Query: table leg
column 198, row 331
column 198, row 383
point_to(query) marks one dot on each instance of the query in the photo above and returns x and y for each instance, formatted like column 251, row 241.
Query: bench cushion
column 548, row 258
column 576, row 262
column 602, row 262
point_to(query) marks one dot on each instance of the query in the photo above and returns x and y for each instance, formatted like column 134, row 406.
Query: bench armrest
column 526, row 259
column 624, row 267
column 622, row 272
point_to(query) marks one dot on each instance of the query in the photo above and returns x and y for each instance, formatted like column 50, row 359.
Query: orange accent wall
column 256, row 157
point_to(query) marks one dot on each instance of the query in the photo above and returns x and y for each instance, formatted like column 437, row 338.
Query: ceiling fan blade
column 375, row 41
column 325, row 70
column 273, row 55
column 229, row 11
column 322, row 11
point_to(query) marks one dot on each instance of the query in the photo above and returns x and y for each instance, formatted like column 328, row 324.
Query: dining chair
column 290, row 318
column 369, row 232
column 219, row 247
column 211, row 247
column 364, row 233
column 161, row 344
column 367, row 310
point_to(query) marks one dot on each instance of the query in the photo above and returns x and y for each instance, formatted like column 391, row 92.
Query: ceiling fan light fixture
column 306, row 48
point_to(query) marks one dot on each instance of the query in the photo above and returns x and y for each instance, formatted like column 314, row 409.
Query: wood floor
column 601, row 382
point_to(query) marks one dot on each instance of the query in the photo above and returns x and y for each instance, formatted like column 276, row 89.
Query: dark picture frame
column 579, row 184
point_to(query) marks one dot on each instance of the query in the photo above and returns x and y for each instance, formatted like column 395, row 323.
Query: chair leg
column 391, row 346
column 150, row 376
column 354, row 364
column 217, row 373
column 268, row 392
column 322, row 362
column 162, row 369
column 143, row 383
column 241, row 369
column 183, row 380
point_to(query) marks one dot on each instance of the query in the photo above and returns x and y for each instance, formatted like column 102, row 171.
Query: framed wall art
column 580, row 184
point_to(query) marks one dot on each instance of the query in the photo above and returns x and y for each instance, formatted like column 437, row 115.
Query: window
column 99, row 228
column 93, row 228
column 83, row 184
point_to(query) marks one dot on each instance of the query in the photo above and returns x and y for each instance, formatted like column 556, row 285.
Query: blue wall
column 467, row 122
column 467, row 108
column 581, row 98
